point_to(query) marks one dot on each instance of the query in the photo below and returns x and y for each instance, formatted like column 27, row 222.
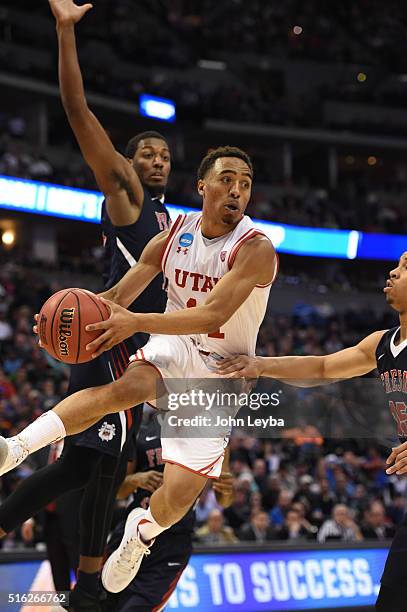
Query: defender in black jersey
column 162, row 569
column 132, row 214
column 385, row 350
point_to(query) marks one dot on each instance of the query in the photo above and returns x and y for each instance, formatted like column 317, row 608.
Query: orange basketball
column 62, row 322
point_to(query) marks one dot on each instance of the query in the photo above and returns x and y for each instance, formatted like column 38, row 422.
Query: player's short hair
column 210, row 159
column 133, row 143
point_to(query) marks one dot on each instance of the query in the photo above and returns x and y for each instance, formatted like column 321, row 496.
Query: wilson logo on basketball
column 64, row 330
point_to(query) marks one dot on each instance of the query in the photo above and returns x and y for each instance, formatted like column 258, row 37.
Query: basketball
column 62, row 322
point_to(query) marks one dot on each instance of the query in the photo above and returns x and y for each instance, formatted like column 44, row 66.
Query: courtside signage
column 82, row 205
column 286, row 580
column 289, row 580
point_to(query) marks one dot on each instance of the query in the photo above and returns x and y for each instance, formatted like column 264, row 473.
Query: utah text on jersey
column 194, row 264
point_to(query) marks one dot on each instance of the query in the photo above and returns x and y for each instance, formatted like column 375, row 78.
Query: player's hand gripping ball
column 62, row 324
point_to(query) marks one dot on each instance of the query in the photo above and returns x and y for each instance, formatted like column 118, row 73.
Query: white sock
column 149, row 528
column 46, row 429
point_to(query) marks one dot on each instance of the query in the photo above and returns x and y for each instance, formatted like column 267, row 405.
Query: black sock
column 89, row 582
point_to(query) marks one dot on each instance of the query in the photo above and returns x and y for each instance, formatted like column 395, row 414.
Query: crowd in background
column 118, row 36
column 365, row 202
column 308, row 482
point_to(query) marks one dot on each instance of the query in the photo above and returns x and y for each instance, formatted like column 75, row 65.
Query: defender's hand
column 223, row 488
column 150, row 480
column 398, row 457
column 240, row 366
column 66, row 12
column 120, row 325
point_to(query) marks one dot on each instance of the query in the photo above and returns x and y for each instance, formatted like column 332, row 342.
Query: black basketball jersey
column 392, row 366
column 149, row 457
column 123, row 246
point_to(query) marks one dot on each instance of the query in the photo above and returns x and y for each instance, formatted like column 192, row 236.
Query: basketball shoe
column 13, row 451
column 122, row 565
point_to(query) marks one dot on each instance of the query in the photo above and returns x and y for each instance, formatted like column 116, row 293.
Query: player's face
column 396, row 286
column 226, row 190
column 152, row 162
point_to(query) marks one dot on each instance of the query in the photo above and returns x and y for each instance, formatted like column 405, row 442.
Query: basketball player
column 173, row 548
column 132, row 214
column 385, row 350
column 219, row 269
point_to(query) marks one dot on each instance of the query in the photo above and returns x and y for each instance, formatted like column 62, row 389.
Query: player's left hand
column 397, row 457
column 120, row 325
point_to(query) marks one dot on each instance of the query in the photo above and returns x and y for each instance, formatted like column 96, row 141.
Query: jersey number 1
column 218, row 334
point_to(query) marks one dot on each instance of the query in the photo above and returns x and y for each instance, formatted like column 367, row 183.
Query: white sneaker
column 13, row 451
column 122, row 565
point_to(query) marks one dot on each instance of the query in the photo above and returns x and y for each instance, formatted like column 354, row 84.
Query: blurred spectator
column 374, row 525
column 260, row 474
column 340, row 527
column 258, row 530
column 293, row 529
column 239, row 512
column 215, row 531
column 205, row 504
column 277, row 514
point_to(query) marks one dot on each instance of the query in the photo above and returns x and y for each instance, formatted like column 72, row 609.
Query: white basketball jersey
column 193, row 265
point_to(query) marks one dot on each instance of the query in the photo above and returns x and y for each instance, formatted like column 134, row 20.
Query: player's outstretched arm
column 114, row 174
column 254, row 265
column 308, row 371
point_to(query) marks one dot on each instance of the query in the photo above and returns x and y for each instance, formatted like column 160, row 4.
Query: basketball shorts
column 395, row 570
column 191, row 435
column 114, row 432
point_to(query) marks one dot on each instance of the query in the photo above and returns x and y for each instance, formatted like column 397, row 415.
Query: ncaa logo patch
column 107, row 431
column 186, row 240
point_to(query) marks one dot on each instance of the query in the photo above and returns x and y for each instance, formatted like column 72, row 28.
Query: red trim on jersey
column 126, row 352
column 170, row 591
column 123, row 354
column 121, row 362
column 198, row 223
column 115, row 368
column 276, row 269
column 210, row 466
column 234, row 251
column 200, row 472
column 142, row 359
column 170, row 239
column 129, row 418
column 235, row 248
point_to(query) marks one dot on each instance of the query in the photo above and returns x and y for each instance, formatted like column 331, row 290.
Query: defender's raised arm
column 114, row 173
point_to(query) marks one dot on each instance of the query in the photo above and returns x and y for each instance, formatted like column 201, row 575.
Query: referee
column 133, row 212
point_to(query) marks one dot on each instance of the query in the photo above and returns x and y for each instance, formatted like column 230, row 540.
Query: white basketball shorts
column 177, row 357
